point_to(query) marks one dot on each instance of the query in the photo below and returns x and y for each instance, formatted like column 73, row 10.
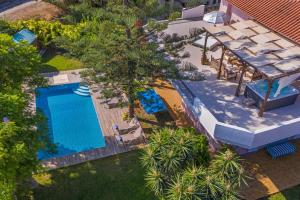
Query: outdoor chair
column 230, row 71
column 133, row 125
column 112, row 103
column 133, row 136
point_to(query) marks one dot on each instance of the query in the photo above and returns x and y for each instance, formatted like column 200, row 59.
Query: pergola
column 258, row 47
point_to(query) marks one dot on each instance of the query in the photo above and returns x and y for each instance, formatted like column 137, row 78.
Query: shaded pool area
column 72, row 120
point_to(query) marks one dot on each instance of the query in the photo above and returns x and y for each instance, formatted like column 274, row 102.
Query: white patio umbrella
column 215, row 17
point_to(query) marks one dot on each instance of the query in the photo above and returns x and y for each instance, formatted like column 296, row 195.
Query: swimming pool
column 72, row 120
column 258, row 89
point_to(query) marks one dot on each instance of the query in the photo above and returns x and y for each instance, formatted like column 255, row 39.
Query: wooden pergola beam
column 238, row 89
column 263, row 105
column 204, row 56
column 221, row 62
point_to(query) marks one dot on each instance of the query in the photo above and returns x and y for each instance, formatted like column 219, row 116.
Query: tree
column 19, row 138
column 118, row 54
column 194, row 3
column 169, row 154
column 20, row 63
column 47, row 31
column 178, row 166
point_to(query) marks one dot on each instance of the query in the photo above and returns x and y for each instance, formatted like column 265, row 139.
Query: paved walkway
column 28, row 9
column 8, row 4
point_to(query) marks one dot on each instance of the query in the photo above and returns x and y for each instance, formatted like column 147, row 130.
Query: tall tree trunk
column 131, row 95
column 125, row 2
column 131, row 72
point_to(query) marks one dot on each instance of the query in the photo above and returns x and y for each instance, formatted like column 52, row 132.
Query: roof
column 267, row 52
column 24, row 35
column 281, row 16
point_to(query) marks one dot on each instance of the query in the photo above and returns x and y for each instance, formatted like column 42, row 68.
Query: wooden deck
column 107, row 118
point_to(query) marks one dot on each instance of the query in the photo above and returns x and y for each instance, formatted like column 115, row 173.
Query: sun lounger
column 112, row 103
column 133, row 136
column 133, row 125
column 280, row 150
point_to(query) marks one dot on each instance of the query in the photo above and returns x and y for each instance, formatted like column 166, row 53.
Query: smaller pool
column 72, row 120
column 261, row 88
column 257, row 91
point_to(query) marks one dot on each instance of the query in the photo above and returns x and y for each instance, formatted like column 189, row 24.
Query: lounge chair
column 112, row 103
column 133, row 125
column 133, row 136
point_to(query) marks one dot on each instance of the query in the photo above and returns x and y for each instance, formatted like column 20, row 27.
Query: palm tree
column 227, row 165
column 170, row 153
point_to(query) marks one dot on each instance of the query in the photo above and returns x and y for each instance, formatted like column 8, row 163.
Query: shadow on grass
column 113, row 178
column 48, row 68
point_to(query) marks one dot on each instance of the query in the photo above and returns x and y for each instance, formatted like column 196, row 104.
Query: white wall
column 193, row 12
column 234, row 135
column 235, row 14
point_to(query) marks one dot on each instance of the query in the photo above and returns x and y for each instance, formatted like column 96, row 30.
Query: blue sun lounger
column 280, row 150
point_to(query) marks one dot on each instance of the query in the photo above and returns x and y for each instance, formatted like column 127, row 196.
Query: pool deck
column 107, row 118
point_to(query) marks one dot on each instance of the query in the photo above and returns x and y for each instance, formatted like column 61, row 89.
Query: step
column 81, row 93
column 83, row 90
column 84, row 87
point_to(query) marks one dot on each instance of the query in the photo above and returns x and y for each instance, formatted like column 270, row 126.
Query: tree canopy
column 19, row 137
column 178, row 166
column 118, row 53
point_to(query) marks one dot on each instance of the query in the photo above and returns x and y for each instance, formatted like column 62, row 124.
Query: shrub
column 174, row 16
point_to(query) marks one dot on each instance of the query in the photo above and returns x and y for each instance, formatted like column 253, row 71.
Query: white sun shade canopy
column 244, row 24
column 288, row 65
column 289, row 53
column 261, row 60
column 240, row 34
column 266, row 51
column 264, row 48
column 215, row 17
column 238, row 44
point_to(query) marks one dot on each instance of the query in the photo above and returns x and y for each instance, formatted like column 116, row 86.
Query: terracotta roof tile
column 282, row 16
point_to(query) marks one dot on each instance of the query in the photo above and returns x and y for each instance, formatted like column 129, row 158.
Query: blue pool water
column 72, row 120
column 261, row 88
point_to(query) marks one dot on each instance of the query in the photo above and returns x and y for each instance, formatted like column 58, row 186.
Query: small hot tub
column 258, row 89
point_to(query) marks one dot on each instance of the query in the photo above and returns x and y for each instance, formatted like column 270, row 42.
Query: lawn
column 53, row 62
column 115, row 178
column 289, row 194
column 149, row 122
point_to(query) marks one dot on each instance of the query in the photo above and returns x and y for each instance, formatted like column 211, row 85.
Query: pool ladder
column 83, row 91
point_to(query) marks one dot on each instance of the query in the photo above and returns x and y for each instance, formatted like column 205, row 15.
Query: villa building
column 261, row 47
column 280, row 16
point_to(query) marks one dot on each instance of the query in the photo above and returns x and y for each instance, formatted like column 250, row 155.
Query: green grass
column 289, row 194
column 120, row 177
column 53, row 62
